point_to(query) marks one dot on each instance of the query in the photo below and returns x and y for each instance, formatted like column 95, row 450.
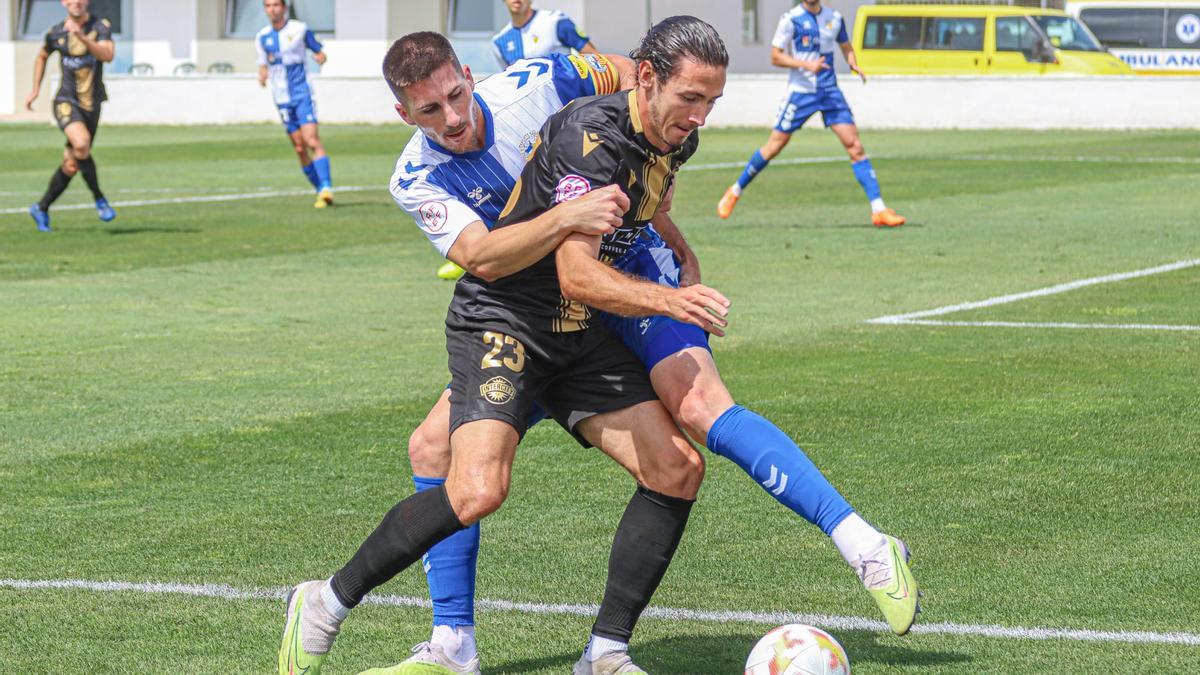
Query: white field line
column 226, row 592
column 1033, row 324
column 265, row 193
column 913, row 317
column 205, row 198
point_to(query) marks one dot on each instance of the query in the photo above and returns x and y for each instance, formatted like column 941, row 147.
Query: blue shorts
column 796, row 108
column 297, row 113
column 653, row 338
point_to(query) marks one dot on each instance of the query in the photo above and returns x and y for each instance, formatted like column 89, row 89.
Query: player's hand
column 598, row 212
column 860, row 73
column 816, row 67
column 319, row 57
column 30, row 99
column 700, row 306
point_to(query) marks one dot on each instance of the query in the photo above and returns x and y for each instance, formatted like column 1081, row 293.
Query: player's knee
column 429, row 451
column 81, row 152
column 682, row 478
column 699, row 409
column 69, row 167
column 479, row 500
column 855, row 150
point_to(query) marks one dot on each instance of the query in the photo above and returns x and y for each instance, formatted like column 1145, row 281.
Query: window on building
column 954, row 33
column 244, row 18
column 477, row 16
column 750, row 22
column 893, row 32
column 37, row 16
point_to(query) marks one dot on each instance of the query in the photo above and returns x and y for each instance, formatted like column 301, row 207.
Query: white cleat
column 611, row 663
column 428, row 659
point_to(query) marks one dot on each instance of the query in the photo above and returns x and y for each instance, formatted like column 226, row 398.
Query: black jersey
column 591, row 143
column 82, row 74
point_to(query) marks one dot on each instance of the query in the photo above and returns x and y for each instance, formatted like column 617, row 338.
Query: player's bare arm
column 852, row 60
column 262, row 76
column 39, row 72
column 782, row 59
column 584, row 279
column 689, row 264
column 503, row 251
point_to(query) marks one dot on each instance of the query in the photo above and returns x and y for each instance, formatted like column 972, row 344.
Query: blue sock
column 450, row 571
column 310, row 172
column 321, row 166
column 777, row 464
column 756, row 164
column 865, row 174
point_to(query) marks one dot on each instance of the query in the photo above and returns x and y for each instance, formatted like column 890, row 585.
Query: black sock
column 645, row 542
column 87, row 167
column 407, row 532
column 58, row 182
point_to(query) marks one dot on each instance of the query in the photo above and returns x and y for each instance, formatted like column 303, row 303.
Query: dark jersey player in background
column 84, row 42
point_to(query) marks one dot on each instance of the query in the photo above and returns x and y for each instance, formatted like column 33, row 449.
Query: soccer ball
column 795, row 649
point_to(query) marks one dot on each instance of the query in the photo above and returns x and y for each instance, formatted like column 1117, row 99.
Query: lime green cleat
column 428, row 659
column 885, row 574
column 450, row 272
column 302, row 651
column 613, row 663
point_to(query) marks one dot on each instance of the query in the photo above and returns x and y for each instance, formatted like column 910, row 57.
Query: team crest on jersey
column 497, row 390
column 805, row 40
column 571, row 186
column 527, row 143
column 594, row 61
column 433, row 214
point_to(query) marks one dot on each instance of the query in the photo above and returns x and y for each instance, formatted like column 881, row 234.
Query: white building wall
column 164, row 33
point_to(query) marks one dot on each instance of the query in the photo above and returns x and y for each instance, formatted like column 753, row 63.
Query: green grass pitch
column 221, row 393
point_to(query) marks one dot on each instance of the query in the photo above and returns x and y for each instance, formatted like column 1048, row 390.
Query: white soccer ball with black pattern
column 796, row 649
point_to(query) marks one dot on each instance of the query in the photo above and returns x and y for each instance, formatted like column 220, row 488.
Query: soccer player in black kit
column 530, row 337
column 85, row 44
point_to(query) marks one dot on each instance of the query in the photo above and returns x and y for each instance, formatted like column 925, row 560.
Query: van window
column 1126, row 27
column 956, row 33
column 1066, row 32
column 1015, row 34
column 1183, row 28
column 892, row 32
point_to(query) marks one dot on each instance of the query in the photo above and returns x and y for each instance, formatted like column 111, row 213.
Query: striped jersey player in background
column 537, row 32
column 282, row 47
column 803, row 43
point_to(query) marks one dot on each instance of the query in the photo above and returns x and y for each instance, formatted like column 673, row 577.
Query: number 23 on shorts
column 514, row 361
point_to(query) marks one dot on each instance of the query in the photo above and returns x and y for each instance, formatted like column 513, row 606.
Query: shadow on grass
column 714, row 654
column 118, row 231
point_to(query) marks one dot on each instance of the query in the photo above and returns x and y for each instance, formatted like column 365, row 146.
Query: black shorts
column 573, row 376
column 66, row 112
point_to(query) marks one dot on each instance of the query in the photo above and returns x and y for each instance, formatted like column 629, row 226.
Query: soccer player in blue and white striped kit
column 455, row 189
column 282, row 47
column 803, row 43
column 533, row 33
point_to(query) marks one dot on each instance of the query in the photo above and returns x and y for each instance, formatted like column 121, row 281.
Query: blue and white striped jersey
column 283, row 53
column 547, row 32
column 445, row 192
column 810, row 37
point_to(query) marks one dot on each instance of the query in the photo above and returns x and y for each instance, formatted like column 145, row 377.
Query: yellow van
column 977, row 40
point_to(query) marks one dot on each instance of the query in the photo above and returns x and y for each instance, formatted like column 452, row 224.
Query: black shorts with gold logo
column 66, row 112
column 572, row 376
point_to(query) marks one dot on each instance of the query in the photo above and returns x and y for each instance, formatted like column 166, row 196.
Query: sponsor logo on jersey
column 433, row 214
column 580, row 64
column 590, row 142
column 571, row 186
column 497, row 390
column 479, row 196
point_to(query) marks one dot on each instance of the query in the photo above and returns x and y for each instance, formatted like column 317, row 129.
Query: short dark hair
column 414, row 57
column 676, row 37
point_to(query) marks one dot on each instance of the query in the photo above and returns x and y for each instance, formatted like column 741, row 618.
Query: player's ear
column 403, row 112
column 467, row 75
column 645, row 74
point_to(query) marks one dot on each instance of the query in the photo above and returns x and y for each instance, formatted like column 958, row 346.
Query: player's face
column 276, row 10
column 681, row 104
column 443, row 107
column 518, row 7
column 76, row 9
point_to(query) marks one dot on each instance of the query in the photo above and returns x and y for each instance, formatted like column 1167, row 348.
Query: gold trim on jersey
column 656, row 177
column 516, row 193
column 572, row 316
column 635, row 117
column 83, row 87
